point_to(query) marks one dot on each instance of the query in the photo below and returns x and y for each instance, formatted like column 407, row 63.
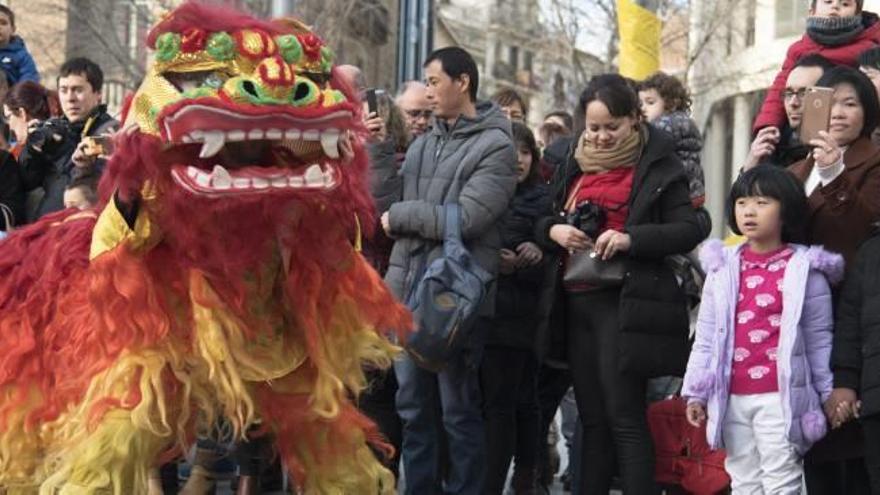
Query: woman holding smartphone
column 841, row 178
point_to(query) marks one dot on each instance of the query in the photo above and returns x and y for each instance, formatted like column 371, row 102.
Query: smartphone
column 372, row 102
column 817, row 113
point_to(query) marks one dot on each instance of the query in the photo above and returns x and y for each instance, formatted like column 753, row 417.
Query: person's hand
column 81, row 158
column 376, row 125
column 826, row 151
column 695, row 414
column 612, row 242
column 385, row 220
column 570, row 237
column 763, row 146
column 842, row 406
column 528, row 254
column 508, row 262
column 346, row 149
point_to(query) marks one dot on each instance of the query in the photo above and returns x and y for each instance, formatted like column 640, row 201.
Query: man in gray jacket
column 475, row 138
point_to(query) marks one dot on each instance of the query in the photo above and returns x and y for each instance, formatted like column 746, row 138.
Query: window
column 791, row 17
column 527, row 63
column 513, row 57
column 750, row 23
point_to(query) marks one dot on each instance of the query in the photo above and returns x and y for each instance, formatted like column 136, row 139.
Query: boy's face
column 77, row 96
column 652, row 104
column 6, row 29
column 835, row 8
column 514, row 112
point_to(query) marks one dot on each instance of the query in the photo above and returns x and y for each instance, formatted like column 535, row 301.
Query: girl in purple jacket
column 759, row 367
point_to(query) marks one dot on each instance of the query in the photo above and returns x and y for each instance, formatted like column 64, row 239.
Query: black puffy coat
column 661, row 222
column 516, row 302
column 855, row 355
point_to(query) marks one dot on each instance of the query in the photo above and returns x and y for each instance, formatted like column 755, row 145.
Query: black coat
column 53, row 170
column 855, row 356
column 515, row 323
column 11, row 189
column 660, row 222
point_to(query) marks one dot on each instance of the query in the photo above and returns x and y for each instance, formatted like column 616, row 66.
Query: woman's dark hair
column 36, row 101
column 614, row 92
column 670, row 88
column 773, row 182
column 864, row 90
column 523, row 138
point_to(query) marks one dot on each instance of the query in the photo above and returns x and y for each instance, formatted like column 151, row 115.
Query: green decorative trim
column 221, row 46
column 200, row 93
column 290, row 48
column 167, row 47
column 327, row 56
column 311, row 97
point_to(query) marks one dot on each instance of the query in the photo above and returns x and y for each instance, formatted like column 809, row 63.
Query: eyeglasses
column 415, row 113
column 790, row 94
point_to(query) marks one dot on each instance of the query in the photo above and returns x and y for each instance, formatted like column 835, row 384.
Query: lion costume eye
column 188, row 81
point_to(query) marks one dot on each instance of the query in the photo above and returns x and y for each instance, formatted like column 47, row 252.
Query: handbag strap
column 8, row 217
column 572, row 196
column 452, row 231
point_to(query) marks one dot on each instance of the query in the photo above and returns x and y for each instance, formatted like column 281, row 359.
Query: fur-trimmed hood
column 714, row 255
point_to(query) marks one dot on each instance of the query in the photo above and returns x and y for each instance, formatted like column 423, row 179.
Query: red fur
column 210, row 17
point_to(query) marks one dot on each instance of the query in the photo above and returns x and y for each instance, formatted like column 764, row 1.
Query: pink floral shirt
column 758, row 319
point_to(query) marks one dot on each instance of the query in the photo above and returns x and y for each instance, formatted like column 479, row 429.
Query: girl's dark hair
column 614, row 92
column 523, row 137
column 670, row 88
column 864, row 90
column 37, row 101
column 773, row 182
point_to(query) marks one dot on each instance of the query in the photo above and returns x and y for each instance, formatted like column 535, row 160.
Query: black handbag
column 587, row 268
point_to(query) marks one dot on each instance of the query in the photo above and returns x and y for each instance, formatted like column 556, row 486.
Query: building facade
column 514, row 49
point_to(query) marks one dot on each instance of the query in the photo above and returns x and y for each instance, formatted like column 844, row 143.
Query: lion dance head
column 220, row 283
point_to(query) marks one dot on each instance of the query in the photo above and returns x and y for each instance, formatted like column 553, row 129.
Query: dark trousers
column 835, row 464
column 611, row 404
column 553, row 383
column 377, row 402
column 457, row 390
column 508, row 378
column 871, row 431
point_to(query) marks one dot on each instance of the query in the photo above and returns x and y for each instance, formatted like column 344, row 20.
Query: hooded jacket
column 805, row 335
column 17, row 63
column 482, row 147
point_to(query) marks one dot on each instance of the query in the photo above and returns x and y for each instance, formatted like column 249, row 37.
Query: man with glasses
column 413, row 102
column 782, row 147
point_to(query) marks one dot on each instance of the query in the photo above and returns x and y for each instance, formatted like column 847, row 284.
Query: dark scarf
column 834, row 31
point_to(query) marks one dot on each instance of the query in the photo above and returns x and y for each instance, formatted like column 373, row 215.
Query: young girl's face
column 834, row 8
column 652, row 104
column 523, row 163
column 759, row 218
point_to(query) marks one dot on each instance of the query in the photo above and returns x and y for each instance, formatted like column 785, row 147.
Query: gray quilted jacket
column 688, row 146
column 483, row 147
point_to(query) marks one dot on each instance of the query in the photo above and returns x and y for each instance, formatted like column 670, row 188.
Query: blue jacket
column 17, row 63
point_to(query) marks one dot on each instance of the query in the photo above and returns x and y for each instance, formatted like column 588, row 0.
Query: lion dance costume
column 218, row 282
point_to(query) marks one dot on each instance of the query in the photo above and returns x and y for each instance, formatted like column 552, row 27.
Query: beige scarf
column 598, row 161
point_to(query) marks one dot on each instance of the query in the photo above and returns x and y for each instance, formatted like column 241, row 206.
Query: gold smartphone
column 817, row 113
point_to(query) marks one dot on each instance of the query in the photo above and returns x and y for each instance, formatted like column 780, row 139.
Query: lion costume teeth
column 217, row 282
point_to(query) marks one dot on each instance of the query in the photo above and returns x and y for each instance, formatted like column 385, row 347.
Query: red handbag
column 683, row 456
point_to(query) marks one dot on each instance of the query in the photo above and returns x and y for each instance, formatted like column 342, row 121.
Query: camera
column 49, row 135
column 589, row 218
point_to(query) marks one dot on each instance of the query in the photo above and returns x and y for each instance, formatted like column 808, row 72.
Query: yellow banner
column 639, row 28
